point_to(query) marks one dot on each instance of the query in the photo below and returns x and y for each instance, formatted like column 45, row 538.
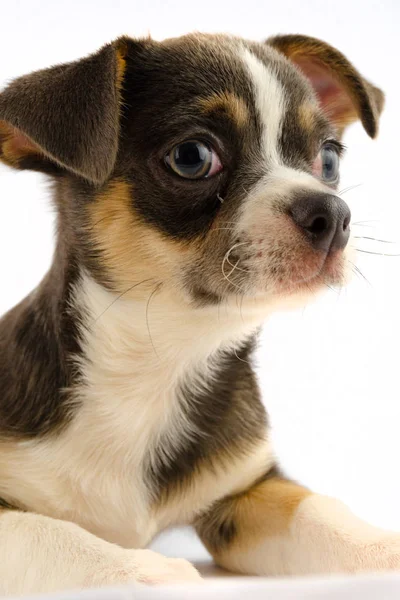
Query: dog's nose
column 324, row 218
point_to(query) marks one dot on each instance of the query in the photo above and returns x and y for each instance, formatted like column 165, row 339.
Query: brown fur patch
column 277, row 499
column 14, row 145
column 230, row 104
column 306, row 116
column 131, row 251
column 263, row 511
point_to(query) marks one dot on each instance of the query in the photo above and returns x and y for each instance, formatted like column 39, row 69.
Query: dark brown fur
column 38, row 337
column 229, row 417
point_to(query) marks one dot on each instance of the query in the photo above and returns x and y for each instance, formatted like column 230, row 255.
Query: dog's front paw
column 142, row 566
column 382, row 554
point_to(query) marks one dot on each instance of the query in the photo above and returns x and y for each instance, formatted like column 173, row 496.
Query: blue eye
column 329, row 164
column 326, row 165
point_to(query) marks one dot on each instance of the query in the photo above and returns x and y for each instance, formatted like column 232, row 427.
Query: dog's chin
column 333, row 271
column 304, row 280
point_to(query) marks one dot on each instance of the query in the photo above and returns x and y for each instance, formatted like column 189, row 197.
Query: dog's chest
column 131, row 411
column 95, row 473
column 127, row 419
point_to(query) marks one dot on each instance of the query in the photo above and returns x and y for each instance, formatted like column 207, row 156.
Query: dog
column 195, row 183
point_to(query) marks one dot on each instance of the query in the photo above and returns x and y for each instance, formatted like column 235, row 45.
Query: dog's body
column 194, row 184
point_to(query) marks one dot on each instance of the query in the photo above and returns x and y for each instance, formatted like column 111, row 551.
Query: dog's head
column 208, row 164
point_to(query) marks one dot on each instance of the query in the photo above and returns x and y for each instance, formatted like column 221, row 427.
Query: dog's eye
column 193, row 159
column 326, row 165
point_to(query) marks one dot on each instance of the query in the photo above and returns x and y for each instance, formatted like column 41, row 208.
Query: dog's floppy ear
column 343, row 93
column 65, row 117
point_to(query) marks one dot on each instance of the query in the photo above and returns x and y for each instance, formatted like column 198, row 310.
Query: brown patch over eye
column 230, row 104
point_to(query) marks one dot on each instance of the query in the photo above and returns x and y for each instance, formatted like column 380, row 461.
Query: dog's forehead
column 188, row 79
column 203, row 64
column 223, row 56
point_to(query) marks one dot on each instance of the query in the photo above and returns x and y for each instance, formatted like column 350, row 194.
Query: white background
column 330, row 372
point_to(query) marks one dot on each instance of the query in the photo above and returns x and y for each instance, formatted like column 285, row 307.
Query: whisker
column 358, row 271
column 120, row 296
column 233, row 267
column 231, row 249
column 331, row 288
column 238, row 287
column 240, row 309
column 226, row 257
column 222, row 229
column 349, row 189
column 241, row 359
column 94, row 225
column 245, row 190
column 236, row 266
column 228, row 223
column 365, row 237
column 147, row 316
column 376, row 253
column 362, row 223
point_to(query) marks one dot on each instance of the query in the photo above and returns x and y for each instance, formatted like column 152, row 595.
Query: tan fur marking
column 14, row 145
column 229, row 103
column 233, row 474
column 276, row 499
column 356, row 98
column 306, row 115
column 121, row 63
column 264, row 511
column 132, row 251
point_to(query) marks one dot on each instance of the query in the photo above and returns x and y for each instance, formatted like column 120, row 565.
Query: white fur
column 93, row 473
column 278, row 185
column 324, row 536
column 270, row 103
column 30, row 544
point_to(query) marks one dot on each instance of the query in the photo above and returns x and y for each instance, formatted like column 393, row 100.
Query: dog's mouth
column 286, row 263
column 283, row 271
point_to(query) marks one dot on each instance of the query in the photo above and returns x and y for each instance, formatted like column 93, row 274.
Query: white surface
column 330, row 372
column 385, row 587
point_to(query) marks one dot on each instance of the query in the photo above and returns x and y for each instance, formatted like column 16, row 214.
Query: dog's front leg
column 40, row 554
column 280, row 528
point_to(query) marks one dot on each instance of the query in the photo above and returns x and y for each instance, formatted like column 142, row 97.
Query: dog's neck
column 158, row 328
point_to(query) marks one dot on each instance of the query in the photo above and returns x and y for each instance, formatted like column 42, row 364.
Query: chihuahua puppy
column 195, row 182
